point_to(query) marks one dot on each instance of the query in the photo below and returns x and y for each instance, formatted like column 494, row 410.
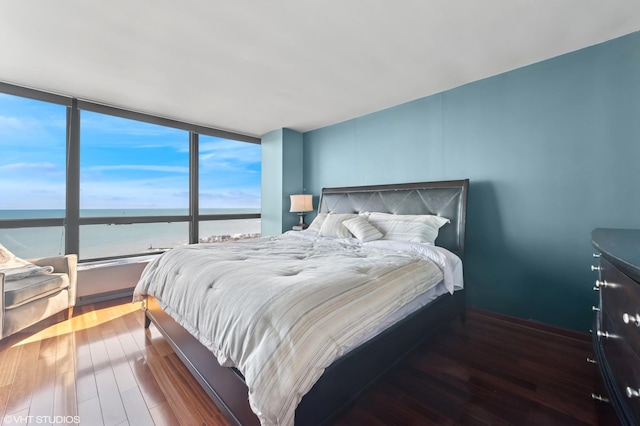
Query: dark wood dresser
column 616, row 331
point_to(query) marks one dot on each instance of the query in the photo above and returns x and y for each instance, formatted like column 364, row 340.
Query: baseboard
column 548, row 328
column 102, row 297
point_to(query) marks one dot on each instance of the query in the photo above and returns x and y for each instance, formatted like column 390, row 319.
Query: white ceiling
column 253, row 66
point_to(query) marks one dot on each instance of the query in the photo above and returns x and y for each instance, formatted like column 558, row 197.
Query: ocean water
column 97, row 241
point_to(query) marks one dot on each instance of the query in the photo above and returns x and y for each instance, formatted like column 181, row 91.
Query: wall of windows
column 104, row 182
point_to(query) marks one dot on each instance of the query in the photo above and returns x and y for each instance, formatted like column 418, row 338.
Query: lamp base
column 301, row 225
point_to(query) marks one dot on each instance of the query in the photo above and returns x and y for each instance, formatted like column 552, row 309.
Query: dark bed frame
column 349, row 375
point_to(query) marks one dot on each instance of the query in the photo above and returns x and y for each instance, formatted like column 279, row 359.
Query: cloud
column 229, row 156
column 139, row 167
column 140, row 193
column 8, row 124
column 230, row 198
column 109, row 131
column 242, row 152
column 18, row 132
column 217, row 169
column 31, row 193
column 167, row 193
column 29, row 168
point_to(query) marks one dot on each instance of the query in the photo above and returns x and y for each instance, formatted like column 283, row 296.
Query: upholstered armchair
column 29, row 300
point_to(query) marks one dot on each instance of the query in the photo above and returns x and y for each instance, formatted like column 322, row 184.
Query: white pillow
column 333, row 227
column 362, row 229
column 317, row 222
column 412, row 228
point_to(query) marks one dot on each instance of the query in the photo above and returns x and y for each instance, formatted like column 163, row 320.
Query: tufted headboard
column 446, row 198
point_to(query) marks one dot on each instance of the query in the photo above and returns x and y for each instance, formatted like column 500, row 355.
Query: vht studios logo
column 52, row 420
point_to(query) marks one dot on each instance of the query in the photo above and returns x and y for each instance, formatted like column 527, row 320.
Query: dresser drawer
column 605, row 405
column 619, row 304
column 621, row 369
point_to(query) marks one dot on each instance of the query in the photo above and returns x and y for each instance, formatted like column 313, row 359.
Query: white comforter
column 282, row 309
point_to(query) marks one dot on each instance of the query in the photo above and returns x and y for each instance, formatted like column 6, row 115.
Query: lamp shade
column 301, row 203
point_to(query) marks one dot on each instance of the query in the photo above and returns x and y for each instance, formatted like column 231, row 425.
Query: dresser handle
column 631, row 318
column 632, row 393
column 595, row 268
column 601, row 284
column 604, row 334
column 599, row 398
column 591, row 361
column 595, row 308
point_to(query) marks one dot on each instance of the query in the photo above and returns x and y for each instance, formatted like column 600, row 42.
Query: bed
column 359, row 359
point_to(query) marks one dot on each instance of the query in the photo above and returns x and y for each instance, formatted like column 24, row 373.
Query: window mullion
column 193, row 188
column 72, row 213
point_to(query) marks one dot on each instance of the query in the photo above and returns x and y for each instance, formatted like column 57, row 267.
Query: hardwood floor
column 101, row 367
column 491, row 370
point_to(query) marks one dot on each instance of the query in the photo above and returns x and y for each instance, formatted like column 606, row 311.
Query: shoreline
column 227, row 238
column 213, row 239
column 151, row 251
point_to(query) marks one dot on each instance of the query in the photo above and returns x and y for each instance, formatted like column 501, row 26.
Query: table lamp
column 300, row 204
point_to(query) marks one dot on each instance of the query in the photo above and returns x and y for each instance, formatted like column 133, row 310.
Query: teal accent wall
column 552, row 150
column 282, row 176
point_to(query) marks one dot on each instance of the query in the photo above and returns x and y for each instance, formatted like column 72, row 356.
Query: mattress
column 411, row 307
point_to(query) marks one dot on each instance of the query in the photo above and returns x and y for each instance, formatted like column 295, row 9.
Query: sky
column 124, row 164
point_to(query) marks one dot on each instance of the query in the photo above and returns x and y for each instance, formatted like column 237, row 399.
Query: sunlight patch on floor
column 79, row 321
